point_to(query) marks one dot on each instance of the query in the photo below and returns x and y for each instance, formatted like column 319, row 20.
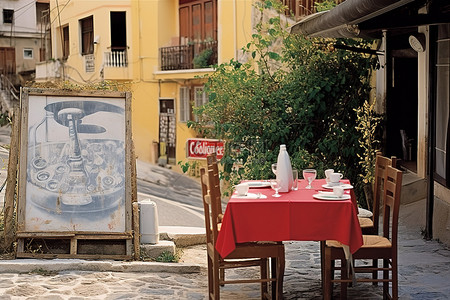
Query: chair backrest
column 211, row 195
column 392, row 193
column 381, row 163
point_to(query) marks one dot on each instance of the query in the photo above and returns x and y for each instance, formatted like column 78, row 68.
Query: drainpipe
column 431, row 132
column 235, row 29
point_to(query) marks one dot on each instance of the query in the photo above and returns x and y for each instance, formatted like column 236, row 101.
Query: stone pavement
column 424, row 273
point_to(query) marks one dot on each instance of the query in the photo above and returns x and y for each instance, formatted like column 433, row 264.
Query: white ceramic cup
column 242, row 189
column 335, row 177
column 338, row 191
column 327, row 174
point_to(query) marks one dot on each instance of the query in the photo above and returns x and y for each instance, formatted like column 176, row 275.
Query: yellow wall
column 70, row 14
column 150, row 26
column 234, row 26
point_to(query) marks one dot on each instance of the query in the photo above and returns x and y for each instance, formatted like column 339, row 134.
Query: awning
column 343, row 20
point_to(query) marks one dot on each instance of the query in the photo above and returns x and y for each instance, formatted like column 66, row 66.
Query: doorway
column 118, row 30
column 402, row 110
column 7, row 60
column 167, row 132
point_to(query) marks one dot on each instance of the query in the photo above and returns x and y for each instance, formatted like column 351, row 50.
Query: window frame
column 185, row 104
column 65, row 42
column 187, row 12
column 8, row 19
column 442, row 98
column 199, row 100
column 31, row 50
column 87, row 35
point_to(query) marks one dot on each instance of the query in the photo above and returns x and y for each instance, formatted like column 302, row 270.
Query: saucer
column 345, row 186
column 331, row 196
column 258, row 184
column 250, row 196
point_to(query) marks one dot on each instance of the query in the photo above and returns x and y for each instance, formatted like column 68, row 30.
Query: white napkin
column 251, row 196
column 364, row 213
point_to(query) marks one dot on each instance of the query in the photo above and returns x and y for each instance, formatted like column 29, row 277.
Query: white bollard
column 148, row 222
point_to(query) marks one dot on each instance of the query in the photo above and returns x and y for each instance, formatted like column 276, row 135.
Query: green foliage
column 202, row 59
column 368, row 122
column 167, row 256
column 43, row 272
column 101, row 85
column 190, row 167
column 4, row 120
column 305, row 96
column 325, row 5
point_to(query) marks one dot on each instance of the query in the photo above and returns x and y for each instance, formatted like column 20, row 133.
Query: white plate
column 251, row 196
column 345, row 186
column 331, row 196
column 258, row 184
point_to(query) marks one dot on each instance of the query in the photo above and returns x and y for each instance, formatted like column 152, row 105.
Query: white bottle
column 284, row 170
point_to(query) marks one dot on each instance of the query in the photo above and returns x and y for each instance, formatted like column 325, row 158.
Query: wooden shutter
column 66, row 45
column 87, row 32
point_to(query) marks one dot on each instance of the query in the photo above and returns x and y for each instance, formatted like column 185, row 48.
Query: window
column 42, row 13
column 65, row 42
column 118, row 30
column 200, row 98
column 8, row 15
column 198, row 20
column 185, row 107
column 87, row 35
column 28, row 53
column 442, row 121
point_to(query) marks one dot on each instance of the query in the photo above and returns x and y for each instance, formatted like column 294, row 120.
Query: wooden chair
column 253, row 254
column 375, row 247
column 370, row 225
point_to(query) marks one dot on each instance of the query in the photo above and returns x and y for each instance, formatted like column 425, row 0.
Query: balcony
column 302, row 8
column 117, row 58
column 115, row 64
column 191, row 56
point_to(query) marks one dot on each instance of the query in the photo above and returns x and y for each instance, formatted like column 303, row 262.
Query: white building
column 23, row 38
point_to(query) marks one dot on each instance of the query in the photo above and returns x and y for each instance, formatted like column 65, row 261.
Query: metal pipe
column 431, row 133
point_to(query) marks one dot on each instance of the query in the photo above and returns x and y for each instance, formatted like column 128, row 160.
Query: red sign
column 200, row 148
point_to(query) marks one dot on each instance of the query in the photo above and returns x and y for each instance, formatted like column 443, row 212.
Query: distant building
column 22, row 37
column 152, row 45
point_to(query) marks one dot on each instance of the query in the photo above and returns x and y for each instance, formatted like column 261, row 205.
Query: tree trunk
column 368, row 192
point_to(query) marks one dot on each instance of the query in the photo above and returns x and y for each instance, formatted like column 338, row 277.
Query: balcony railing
column 117, row 58
column 6, row 85
column 191, row 56
column 302, row 8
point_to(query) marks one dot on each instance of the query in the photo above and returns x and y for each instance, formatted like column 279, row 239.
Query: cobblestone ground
column 423, row 274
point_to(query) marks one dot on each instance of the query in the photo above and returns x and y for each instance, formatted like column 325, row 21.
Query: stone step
column 173, row 237
column 414, row 188
column 183, row 236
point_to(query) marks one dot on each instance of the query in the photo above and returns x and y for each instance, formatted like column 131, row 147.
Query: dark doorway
column 401, row 110
column 118, row 30
column 167, row 135
column 7, row 60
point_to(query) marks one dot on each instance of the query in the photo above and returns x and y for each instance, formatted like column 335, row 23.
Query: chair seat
column 376, row 241
column 365, row 222
column 370, row 241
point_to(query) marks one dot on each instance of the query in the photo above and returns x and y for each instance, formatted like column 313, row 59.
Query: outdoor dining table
column 296, row 215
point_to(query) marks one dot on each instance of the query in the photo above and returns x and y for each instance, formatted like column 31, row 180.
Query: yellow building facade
column 159, row 47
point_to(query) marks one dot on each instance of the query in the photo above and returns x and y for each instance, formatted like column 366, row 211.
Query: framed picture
column 74, row 173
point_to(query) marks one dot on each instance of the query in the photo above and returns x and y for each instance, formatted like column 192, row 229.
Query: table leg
column 322, row 262
column 273, row 272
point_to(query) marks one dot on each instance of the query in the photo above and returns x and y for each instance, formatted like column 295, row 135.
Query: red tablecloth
column 293, row 216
